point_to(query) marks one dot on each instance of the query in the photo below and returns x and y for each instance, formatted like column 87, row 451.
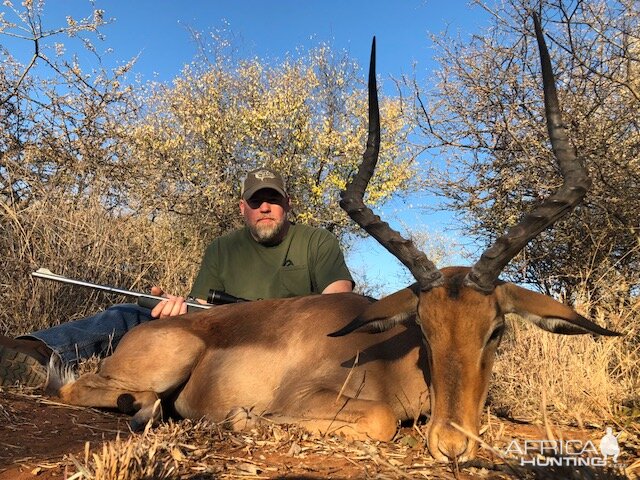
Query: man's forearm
column 339, row 286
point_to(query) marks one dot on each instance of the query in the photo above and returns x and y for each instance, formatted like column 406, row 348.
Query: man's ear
column 384, row 314
column 545, row 312
column 242, row 206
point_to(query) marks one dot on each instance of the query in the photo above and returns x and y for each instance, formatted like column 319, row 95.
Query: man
column 269, row 258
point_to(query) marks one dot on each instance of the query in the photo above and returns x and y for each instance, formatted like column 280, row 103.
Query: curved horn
column 424, row 271
column 485, row 272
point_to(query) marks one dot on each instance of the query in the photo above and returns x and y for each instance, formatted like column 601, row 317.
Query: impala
column 315, row 361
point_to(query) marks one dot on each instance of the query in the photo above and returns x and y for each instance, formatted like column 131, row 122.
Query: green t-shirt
column 305, row 262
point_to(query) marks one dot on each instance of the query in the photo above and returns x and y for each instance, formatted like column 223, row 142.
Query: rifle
column 144, row 299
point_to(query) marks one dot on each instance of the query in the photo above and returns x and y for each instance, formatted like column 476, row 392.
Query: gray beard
column 268, row 234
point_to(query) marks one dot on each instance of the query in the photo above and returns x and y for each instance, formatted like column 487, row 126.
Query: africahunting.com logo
column 551, row 453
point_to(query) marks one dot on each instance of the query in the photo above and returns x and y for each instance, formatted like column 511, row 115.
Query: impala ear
column 545, row 312
column 385, row 314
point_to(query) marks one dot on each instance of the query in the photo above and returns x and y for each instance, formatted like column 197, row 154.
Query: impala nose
column 447, row 444
column 454, row 450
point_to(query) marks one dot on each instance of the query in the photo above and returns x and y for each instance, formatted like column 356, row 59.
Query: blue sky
column 158, row 33
column 158, row 30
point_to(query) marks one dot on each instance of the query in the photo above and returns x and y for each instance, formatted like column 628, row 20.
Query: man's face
column 265, row 213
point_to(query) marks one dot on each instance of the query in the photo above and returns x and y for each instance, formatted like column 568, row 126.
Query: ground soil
column 39, row 437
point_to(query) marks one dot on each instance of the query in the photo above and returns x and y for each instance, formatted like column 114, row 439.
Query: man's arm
column 339, row 286
column 327, row 264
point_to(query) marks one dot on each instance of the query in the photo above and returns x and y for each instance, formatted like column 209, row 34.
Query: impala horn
column 485, row 272
column 424, row 271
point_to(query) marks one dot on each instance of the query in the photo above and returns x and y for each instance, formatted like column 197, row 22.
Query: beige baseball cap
column 262, row 178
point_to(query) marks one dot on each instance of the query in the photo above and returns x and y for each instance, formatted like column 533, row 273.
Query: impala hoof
column 239, row 419
column 149, row 415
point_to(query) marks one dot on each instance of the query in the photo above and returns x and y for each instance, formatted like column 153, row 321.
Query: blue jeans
column 95, row 335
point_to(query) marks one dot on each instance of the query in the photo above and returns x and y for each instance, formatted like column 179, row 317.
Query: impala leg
column 352, row 418
column 145, row 407
column 93, row 390
column 322, row 413
column 239, row 419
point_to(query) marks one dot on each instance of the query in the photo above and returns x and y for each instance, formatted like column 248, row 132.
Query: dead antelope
column 295, row 361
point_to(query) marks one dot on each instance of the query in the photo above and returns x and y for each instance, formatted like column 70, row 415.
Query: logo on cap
column 262, row 175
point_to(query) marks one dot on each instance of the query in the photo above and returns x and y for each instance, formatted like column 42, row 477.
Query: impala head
column 461, row 310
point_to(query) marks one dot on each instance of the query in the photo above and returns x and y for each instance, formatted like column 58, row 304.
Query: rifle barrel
column 49, row 275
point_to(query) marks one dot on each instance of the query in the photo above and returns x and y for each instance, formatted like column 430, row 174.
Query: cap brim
column 251, row 191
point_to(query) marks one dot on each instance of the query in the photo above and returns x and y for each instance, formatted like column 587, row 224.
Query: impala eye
column 496, row 334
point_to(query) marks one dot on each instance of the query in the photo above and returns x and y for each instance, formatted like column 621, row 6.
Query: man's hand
column 168, row 308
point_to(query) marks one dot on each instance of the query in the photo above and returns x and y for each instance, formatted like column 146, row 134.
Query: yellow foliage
column 305, row 117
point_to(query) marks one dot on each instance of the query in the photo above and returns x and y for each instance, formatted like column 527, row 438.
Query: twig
column 346, row 381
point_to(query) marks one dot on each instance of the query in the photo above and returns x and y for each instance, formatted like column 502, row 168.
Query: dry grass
column 85, row 242
column 125, row 460
column 582, row 379
column 201, row 449
column 190, row 450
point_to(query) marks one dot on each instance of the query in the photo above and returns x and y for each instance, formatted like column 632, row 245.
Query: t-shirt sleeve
column 208, row 276
column 327, row 262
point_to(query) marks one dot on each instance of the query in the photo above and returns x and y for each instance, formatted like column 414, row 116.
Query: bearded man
column 269, row 257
